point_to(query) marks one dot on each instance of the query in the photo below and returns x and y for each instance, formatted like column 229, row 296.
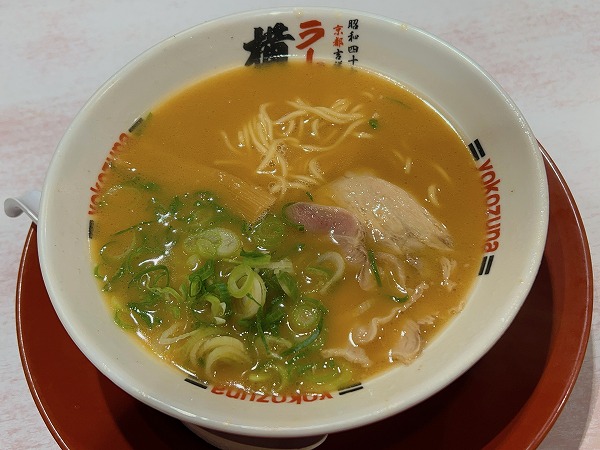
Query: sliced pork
column 342, row 226
column 394, row 218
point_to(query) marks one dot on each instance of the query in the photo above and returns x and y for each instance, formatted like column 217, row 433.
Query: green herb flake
column 374, row 268
column 399, row 299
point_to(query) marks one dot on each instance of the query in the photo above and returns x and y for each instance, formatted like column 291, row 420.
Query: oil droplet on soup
column 289, row 228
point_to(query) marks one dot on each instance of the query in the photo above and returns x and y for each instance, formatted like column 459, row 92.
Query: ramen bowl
column 496, row 136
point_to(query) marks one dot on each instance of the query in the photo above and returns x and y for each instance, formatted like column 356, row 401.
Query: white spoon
column 28, row 203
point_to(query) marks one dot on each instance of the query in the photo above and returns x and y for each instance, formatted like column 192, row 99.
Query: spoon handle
column 28, row 203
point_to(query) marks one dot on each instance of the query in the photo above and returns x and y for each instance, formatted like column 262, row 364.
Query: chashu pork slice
column 394, row 218
column 343, row 228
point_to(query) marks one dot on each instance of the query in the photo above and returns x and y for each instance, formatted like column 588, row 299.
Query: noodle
column 260, row 135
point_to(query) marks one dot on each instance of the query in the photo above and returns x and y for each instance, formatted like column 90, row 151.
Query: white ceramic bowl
column 504, row 149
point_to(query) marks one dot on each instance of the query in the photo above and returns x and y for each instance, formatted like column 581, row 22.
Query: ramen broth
column 289, row 228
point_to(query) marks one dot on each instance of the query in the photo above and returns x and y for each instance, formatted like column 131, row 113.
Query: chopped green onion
column 270, row 374
column 373, row 265
column 240, row 281
column 117, row 319
column 276, row 313
column 269, row 232
column 146, row 311
column 220, row 290
column 255, row 258
column 158, row 268
column 259, row 260
column 374, row 123
column 204, row 272
column 137, row 226
column 199, row 276
column 288, row 284
column 206, row 248
column 306, row 342
column 399, row 299
column 249, row 305
column 283, row 265
column 118, row 249
column 306, row 315
column 217, row 308
column 167, row 291
column 98, row 275
column 222, row 241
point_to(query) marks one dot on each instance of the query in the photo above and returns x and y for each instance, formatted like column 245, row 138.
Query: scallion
column 288, row 285
column 306, row 315
column 373, row 265
column 240, row 281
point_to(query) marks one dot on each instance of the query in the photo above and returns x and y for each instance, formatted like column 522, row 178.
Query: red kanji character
column 312, row 29
column 314, row 32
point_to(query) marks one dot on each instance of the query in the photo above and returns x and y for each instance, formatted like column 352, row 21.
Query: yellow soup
column 288, row 228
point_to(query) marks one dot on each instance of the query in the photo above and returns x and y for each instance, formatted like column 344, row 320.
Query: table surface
column 53, row 55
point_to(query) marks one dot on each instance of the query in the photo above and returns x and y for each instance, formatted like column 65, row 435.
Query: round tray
column 509, row 399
